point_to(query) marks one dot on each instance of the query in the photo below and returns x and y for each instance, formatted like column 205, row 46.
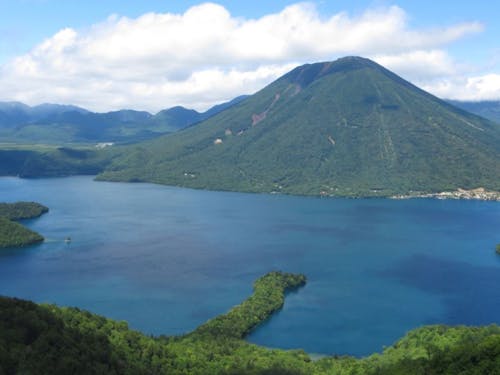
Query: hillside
column 489, row 109
column 179, row 117
column 343, row 128
column 52, row 161
column 13, row 234
column 56, row 124
column 15, row 113
column 22, row 210
column 46, row 339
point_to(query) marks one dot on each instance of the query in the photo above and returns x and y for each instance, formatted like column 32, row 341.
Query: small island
column 13, row 234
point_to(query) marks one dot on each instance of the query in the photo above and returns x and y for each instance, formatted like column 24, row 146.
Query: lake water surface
column 167, row 259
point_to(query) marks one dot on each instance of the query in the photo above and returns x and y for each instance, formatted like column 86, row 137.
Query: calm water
column 167, row 259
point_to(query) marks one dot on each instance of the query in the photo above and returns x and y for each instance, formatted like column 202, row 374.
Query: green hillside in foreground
column 46, row 339
column 343, row 128
column 13, row 234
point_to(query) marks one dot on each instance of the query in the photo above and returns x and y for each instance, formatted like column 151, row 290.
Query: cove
column 167, row 259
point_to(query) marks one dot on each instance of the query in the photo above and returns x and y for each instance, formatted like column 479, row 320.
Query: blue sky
column 457, row 54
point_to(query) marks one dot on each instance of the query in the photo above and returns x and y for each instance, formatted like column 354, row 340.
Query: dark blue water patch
column 167, row 259
column 470, row 293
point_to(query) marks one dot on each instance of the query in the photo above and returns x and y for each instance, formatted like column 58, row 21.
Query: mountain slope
column 11, row 113
column 53, row 123
column 222, row 107
column 16, row 113
column 179, row 117
column 489, row 109
column 348, row 128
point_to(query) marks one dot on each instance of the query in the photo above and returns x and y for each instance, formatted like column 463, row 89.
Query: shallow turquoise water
column 166, row 259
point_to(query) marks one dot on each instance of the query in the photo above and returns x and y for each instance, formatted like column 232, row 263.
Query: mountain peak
column 306, row 74
column 348, row 127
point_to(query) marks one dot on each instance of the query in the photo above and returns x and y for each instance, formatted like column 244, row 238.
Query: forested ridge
column 13, row 234
column 46, row 339
column 22, row 210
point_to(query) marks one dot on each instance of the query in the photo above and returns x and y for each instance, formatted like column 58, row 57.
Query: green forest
column 13, row 234
column 347, row 128
column 46, row 339
column 22, row 210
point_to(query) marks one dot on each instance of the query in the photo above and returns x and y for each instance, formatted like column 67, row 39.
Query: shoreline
column 479, row 193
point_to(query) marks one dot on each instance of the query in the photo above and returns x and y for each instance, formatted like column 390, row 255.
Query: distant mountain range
column 343, row 128
column 179, row 117
column 489, row 109
column 53, row 123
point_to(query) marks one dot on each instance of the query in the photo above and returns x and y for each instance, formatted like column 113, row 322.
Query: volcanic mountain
column 343, row 128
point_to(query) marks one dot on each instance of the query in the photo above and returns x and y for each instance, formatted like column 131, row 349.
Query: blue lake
column 167, row 259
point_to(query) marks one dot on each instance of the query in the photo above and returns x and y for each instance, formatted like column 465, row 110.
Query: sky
column 155, row 54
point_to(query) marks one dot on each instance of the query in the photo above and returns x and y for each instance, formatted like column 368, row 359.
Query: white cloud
column 483, row 87
column 206, row 55
column 421, row 65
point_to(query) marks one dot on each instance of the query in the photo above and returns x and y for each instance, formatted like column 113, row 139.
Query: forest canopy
column 13, row 234
column 47, row 339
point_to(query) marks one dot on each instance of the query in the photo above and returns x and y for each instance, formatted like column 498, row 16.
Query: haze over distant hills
column 16, row 113
column 489, row 109
column 179, row 117
column 348, row 127
column 54, row 123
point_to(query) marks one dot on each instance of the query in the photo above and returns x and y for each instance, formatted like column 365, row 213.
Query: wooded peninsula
column 47, row 339
column 13, row 234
